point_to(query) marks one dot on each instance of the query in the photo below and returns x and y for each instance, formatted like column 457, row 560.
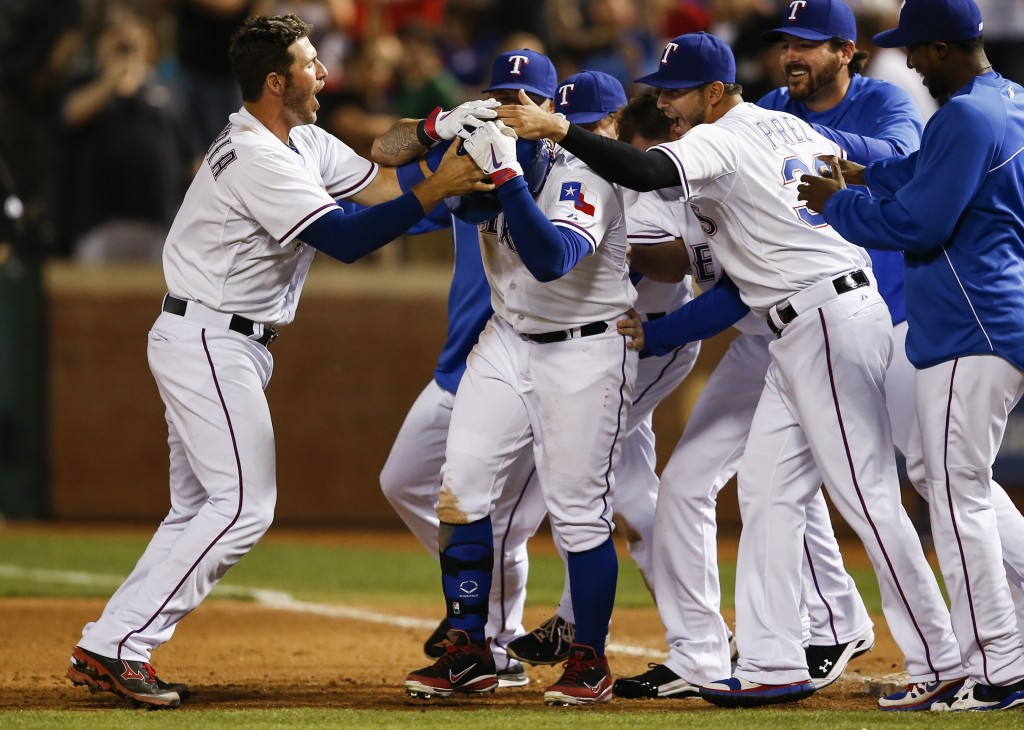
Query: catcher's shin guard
column 467, row 559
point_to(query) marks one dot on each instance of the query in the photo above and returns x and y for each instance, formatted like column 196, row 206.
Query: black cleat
column 658, row 682
column 434, row 646
column 827, row 663
column 547, row 644
column 132, row 679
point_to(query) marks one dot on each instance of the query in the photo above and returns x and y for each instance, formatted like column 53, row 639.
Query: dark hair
column 592, row 126
column 732, row 89
column 642, row 117
column 260, row 47
column 859, row 60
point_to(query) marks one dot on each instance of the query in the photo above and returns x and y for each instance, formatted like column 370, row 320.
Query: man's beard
column 814, row 81
column 297, row 103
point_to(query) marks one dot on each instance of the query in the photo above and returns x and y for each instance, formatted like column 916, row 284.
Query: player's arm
column 613, row 160
column 714, row 311
column 923, row 213
column 349, row 237
column 546, row 250
column 893, row 128
column 410, row 138
column 667, row 262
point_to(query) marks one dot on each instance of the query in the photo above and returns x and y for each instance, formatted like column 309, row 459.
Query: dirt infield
column 240, row 655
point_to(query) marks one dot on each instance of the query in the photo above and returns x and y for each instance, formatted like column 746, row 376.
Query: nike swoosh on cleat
column 594, row 688
column 456, row 677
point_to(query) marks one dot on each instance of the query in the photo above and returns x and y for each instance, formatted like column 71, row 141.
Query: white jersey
column 653, row 219
column 232, row 246
column 649, row 221
column 598, row 287
column 741, row 175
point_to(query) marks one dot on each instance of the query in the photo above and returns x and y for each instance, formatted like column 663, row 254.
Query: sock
column 592, row 577
column 467, row 559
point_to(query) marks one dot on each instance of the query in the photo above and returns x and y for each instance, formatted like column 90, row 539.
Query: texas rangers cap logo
column 574, row 191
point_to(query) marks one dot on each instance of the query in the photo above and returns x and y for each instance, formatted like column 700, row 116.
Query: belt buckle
column 269, row 334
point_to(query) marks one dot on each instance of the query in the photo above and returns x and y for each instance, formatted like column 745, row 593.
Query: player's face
column 922, row 58
column 811, row 68
column 307, row 79
column 686, row 107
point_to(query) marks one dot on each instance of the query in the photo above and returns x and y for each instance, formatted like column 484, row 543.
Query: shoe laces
column 546, row 631
column 150, row 672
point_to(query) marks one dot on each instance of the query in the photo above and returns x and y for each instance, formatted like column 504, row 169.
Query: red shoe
column 465, row 666
column 587, row 680
column 132, row 679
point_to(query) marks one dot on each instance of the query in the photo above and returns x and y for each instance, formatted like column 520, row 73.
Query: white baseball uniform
column 657, row 377
column 567, row 400
column 822, row 411
column 707, row 456
column 232, row 251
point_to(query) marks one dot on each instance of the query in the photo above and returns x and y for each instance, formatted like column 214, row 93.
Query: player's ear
column 275, row 83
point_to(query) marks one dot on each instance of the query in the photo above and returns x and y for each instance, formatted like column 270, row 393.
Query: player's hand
column 493, row 147
column 461, row 120
column 632, row 329
column 456, row 175
column 815, row 190
column 849, row 171
column 529, row 121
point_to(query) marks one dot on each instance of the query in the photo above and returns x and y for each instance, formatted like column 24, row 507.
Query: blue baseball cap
column 923, row 21
column 692, row 60
column 816, row 20
column 589, row 96
column 524, row 69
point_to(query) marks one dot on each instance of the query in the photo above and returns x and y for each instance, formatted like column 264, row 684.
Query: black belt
column 846, row 282
column 241, row 325
column 651, row 316
column 594, row 328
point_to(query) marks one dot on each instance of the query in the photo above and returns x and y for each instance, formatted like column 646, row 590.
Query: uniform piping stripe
column 654, row 237
column 349, row 190
column 618, row 430
column 504, row 543
column 668, row 364
column 817, row 588
column 1008, row 160
column 679, row 166
column 967, row 299
column 956, row 530
column 577, row 228
column 298, row 225
column 860, row 496
column 238, row 512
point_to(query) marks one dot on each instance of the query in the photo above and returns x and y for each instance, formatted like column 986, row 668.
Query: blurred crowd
column 106, row 106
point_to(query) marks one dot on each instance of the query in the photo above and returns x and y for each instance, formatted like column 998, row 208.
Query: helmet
column 535, row 157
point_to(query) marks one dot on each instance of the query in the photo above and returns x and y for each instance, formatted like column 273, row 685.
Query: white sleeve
column 583, row 202
column 280, row 195
column 343, row 171
column 650, row 221
column 701, row 156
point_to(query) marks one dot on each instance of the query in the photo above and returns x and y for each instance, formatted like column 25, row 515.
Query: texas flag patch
column 574, row 191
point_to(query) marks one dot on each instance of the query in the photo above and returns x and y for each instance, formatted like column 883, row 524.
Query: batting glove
column 493, row 148
column 459, row 122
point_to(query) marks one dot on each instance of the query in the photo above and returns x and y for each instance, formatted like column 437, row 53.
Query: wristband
column 421, row 134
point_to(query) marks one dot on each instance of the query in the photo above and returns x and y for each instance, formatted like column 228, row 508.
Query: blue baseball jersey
column 956, row 209
column 875, row 120
column 469, row 305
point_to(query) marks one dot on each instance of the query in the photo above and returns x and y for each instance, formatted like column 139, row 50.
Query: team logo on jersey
column 574, row 191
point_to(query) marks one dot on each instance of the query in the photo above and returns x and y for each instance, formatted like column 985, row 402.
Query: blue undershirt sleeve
column 350, row 237
column 712, row 312
column 860, row 149
column 548, row 251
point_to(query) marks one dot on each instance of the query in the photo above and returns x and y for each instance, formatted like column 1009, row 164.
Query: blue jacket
column 956, row 209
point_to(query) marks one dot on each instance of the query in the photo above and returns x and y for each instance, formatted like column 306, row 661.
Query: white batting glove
column 449, row 125
column 493, row 148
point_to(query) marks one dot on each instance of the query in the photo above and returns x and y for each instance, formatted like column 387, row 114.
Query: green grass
column 333, row 573
column 526, row 718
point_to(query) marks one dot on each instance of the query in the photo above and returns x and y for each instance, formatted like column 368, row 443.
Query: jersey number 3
column 792, row 169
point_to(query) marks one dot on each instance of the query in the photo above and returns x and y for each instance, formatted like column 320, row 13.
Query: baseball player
column 964, row 248
column 588, row 99
column 549, row 374
column 410, row 478
column 235, row 261
column 707, row 456
column 822, row 410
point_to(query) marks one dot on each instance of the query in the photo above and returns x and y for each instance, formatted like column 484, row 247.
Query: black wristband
column 421, row 134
